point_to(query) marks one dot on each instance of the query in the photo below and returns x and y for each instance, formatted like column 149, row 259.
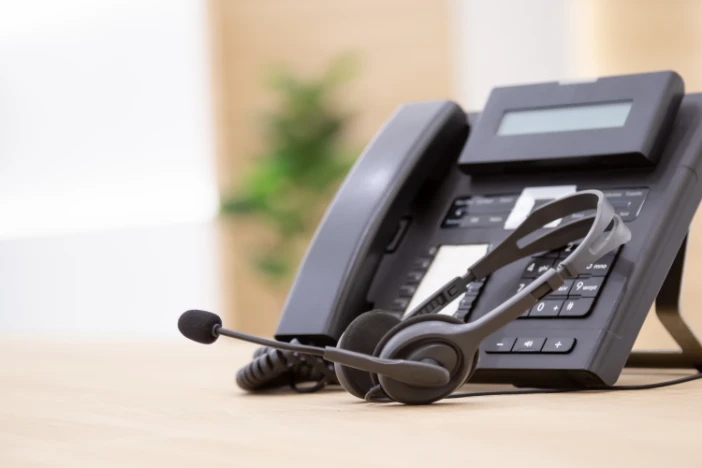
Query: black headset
column 426, row 357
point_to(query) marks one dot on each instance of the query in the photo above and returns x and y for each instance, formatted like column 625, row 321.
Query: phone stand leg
column 668, row 311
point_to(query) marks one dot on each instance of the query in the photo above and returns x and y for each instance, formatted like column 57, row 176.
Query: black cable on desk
column 529, row 391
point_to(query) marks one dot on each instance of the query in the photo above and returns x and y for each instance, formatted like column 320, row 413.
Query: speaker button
column 528, row 345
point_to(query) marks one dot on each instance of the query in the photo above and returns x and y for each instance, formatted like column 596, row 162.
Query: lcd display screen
column 564, row 118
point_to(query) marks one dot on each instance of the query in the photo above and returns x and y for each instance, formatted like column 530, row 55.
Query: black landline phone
column 438, row 190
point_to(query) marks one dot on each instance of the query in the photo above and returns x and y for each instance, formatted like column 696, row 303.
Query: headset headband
column 599, row 239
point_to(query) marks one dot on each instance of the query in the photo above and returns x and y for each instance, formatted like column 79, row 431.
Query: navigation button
column 558, row 345
column 500, row 345
column 528, row 345
column 576, row 307
column 586, row 287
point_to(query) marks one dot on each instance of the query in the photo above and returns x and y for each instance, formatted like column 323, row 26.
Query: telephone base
column 669, row 313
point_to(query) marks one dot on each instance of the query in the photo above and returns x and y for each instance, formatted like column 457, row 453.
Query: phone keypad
column 576, row 297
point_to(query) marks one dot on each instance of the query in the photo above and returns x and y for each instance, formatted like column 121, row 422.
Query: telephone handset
column 428, row 198
column 418, row 142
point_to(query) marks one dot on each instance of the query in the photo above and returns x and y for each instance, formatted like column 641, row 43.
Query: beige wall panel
column 630, row 36
column 404, row 52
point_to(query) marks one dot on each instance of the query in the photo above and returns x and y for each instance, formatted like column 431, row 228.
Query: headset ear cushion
column 404, row 324
column 362, row 335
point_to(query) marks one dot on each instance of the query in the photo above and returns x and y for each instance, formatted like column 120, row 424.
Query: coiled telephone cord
column 273, row 368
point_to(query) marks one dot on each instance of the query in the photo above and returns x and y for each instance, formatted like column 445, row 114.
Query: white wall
column 510, row 42
column 104, row 115
column 107, row 185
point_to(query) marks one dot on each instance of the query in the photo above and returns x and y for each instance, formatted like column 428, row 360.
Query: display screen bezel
column 655, row 99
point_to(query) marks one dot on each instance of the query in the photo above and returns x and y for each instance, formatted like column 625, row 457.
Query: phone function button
column 462, row 314
column 480, row 211
column 528, row 345
column 546, row 308
column 627, row 214
column 467, row 302
column 558, row 345
column 482, row 220
column 500, row 345
column 576, row 307
column 582, row 214
column 586, row 287
column 627, row 203
column 491, row 204
column 473, row 289
column 400, row 304
column 414, row 277
column 537, row 267
column 407, row 290
column 422, row 263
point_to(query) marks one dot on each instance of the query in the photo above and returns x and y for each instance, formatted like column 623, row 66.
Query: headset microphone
column 205, row 327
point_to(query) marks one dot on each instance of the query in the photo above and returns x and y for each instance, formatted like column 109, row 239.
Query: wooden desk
column 175, row 404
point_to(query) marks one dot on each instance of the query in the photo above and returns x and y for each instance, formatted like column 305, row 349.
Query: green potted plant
column 293, row 179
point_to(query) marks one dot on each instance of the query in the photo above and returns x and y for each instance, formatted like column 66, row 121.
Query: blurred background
column 161, row 155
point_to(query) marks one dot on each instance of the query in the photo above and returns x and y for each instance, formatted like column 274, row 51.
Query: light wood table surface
column 82, row 404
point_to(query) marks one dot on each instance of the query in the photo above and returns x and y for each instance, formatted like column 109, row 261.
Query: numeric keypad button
column 576, row 307
column 546, row 308
column 537, row 267
column 601, row 267
column 563, row 290
column 586, row 287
